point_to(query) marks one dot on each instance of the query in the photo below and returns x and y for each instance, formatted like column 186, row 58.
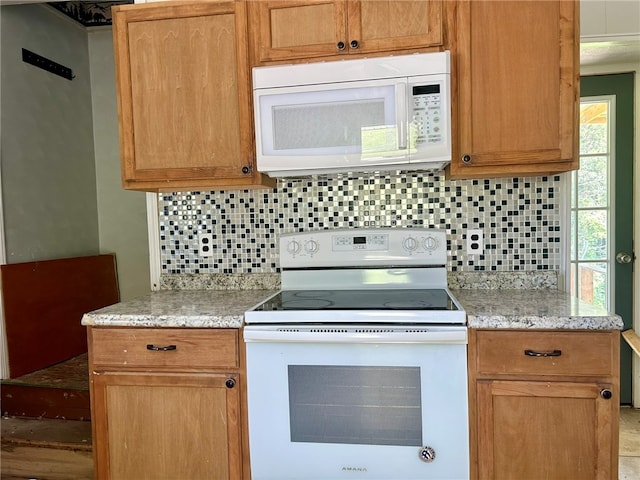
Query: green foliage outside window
column 589, row 216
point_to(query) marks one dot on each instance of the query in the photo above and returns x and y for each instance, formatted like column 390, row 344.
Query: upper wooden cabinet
column 515, row 101
column 184, row 96
column 294, row 29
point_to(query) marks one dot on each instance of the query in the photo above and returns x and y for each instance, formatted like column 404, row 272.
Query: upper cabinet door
column 380, row 25
column 516, row 108
column 184, row 95
column 288, row 29
column 306, row 29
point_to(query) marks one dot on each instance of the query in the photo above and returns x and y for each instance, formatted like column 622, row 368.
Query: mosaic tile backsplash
column 520, row 218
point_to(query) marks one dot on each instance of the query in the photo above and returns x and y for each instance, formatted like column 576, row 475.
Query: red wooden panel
column 43, row 305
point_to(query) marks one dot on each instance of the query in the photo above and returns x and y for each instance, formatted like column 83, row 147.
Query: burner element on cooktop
column 307, row 304
column 411, row 304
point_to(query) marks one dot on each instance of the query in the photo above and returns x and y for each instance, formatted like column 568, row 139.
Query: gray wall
column 62, row 195
column 48, row 168
column 122, row 214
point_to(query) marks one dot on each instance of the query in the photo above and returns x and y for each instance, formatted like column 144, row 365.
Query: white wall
column 61, row 189
column 60, row 192
column 122, row 214
column 48, row 168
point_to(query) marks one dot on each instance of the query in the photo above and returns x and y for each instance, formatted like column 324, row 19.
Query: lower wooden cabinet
column 161, row 410
column 544, row 405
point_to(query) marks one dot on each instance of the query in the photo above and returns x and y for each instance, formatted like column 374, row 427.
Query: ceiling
column 616, row 52
column 89, row 14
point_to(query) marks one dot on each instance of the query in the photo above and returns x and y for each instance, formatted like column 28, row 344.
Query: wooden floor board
column 62, row 434
column 23, row 462
column 34, row 448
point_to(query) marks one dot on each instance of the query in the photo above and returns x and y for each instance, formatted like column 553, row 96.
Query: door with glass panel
column 602, row 255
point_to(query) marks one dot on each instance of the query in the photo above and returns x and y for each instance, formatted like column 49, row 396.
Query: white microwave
column 373, row 114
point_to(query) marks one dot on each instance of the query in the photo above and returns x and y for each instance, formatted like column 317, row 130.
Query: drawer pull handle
column 533, row 353
column 161, row 349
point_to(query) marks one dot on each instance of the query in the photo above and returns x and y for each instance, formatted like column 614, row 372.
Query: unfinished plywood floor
column 72, row 373
column 59, row 391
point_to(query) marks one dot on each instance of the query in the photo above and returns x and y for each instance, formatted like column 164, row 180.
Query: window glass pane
column 592, row 182
column 573, row 235
column 594, row 128
column 592, row 235
column 590, row 205
column 592, row 283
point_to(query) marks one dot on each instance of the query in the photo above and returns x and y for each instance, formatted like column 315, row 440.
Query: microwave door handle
column 401, row 114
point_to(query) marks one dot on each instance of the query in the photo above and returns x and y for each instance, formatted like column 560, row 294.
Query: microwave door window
column 358, row 121
column 316, row 127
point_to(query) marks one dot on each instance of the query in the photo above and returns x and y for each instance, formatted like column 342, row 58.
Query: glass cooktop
column 360, row 300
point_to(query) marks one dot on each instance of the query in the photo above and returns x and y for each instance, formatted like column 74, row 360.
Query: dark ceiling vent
column 89, row 14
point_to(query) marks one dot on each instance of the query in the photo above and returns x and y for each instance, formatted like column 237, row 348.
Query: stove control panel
column 428, row 243
column 351, row 242
column 361, row 247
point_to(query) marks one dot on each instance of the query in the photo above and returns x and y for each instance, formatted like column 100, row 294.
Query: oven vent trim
column 353, row 330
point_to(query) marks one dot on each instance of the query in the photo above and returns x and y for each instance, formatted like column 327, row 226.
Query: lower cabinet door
column 546, row 430
column 166, row 426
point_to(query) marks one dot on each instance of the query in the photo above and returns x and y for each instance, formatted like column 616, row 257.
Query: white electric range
column 357, row 367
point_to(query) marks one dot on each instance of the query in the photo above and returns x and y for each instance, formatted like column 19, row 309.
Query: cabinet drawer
column 570, row 353
column 134, row 347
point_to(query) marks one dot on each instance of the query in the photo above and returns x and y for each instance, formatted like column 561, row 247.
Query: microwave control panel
column 427, row 118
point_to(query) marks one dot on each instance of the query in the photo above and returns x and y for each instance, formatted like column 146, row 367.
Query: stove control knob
column 293, row 247
column 427, row 454
column 410, row 244
column 430, row 244
column 311, row 246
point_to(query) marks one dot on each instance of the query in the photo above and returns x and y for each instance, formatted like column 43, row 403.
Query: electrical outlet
column 475, row 242
column 205, row 244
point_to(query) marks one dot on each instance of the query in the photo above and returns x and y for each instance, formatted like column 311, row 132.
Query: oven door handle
column 336, row 335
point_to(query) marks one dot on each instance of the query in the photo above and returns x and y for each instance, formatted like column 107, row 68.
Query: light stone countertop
column 486, row 308
column 533, row 309
column 180, row 308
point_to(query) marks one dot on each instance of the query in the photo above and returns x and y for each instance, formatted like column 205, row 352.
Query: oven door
column 357, row 402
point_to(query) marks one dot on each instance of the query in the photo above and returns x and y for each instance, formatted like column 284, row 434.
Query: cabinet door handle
column 606, row 393
column 533, row 353
column 161, row 349
column 354, row 44
column 401, row 114
column 340, row 45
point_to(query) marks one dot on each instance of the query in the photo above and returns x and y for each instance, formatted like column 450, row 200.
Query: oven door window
column 366, row 405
